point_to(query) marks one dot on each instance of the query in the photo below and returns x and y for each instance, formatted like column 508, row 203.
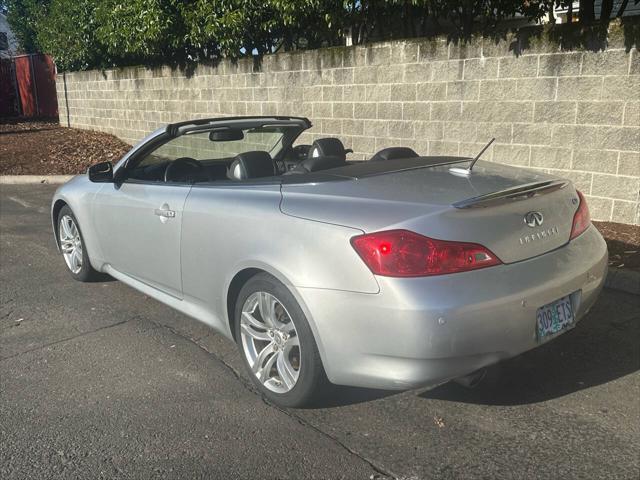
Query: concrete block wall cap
column 623, row 280
column 34, row 179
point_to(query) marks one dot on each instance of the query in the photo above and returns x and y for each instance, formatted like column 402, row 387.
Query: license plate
column 554, row 317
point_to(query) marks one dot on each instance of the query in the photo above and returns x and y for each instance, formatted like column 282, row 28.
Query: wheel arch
column 233, row 291
column 55, row 211
column 62, row 200
column 243, row 275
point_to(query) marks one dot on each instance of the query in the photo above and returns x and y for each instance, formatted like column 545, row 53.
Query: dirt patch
column 623, row 242
column 46, row 148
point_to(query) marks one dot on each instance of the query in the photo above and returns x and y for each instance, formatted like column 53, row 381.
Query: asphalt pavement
column 100, row 381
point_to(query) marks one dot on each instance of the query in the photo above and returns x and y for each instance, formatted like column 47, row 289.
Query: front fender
column 79, row 194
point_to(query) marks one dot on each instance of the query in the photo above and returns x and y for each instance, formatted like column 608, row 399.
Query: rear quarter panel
column 227, row 229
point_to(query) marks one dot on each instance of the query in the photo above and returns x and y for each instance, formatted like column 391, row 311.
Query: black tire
column 312, row 383
column 87, row 273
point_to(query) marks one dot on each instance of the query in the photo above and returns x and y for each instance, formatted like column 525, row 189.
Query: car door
column 139, row 216
column 139, row 225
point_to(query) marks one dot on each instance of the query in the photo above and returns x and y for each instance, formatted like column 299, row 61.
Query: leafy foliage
column 97, row 33
column 67, row 31
column 22, row 15
column 139, row 29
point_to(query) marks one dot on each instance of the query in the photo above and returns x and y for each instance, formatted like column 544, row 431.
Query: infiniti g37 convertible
column 394, row 272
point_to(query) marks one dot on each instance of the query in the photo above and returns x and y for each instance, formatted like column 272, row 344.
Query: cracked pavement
column 100, row 381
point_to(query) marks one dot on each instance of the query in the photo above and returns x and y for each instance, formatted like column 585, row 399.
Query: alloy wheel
column 71, row 243
column 270, row 342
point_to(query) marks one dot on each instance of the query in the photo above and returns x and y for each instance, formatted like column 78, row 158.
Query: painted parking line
column 19, row 201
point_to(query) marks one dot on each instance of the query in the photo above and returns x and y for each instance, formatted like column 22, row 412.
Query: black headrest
column 315, row 164
column 252, row 165
column 392, row 153
column 328, row 147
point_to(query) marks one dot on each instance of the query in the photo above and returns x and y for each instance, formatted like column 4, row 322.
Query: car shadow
column 604, row 346
column 102, row 278
column 342, row 396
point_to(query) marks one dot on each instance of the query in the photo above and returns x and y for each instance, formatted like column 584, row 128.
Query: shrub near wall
column 574, row 113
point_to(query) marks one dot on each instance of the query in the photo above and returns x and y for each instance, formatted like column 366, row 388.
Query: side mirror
column 348, row 150
column 101, row 172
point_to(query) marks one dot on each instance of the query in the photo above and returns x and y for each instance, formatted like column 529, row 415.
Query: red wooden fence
column 9, row 103
column 31, row 80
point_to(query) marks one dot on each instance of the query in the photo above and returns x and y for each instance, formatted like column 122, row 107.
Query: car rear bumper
column 425, row 331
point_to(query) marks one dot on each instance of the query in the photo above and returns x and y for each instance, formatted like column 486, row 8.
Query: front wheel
column 73, row 248
column 277, row 344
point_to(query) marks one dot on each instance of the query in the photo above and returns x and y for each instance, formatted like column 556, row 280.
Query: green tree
column 22, row 16
column 234, row 28
column 140, row 30
column 228, row 28
column 67, row 31
column 311, row 23
column 96, row 33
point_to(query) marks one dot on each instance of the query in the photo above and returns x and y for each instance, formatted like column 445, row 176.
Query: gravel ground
column 99, row 381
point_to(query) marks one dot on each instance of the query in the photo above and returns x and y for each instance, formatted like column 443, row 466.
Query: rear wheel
column 73, row 248
column 277, row 345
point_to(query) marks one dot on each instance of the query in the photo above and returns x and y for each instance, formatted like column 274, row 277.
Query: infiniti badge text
column 541, row 235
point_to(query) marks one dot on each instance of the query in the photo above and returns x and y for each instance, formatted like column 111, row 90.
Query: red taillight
column 400, row 253
column 581, row 219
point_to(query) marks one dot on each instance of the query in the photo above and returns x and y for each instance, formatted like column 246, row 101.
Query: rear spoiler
column 513, row 194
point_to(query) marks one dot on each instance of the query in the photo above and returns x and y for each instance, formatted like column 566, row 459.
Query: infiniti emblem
column 533, row 219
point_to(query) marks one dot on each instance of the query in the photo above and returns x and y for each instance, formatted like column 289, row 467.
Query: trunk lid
column 516, row 213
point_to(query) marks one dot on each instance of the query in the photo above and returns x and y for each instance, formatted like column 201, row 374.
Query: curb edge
column 34, row 179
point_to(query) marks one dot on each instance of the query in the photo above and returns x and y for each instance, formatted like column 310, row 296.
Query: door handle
column 165, row 213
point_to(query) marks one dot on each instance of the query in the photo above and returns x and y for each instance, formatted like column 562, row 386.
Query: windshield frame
column 174, row 130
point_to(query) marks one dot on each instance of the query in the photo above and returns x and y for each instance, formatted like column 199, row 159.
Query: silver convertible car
column 394, row 272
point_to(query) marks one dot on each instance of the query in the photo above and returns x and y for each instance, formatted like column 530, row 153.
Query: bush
column 82, row 34
column 22, row 15
column 67, row 31
column 140, row 30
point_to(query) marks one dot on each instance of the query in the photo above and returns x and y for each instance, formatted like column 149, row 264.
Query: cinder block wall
column 573, row 113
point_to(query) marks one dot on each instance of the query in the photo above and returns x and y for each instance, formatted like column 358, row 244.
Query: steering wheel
column 294, row 156
column 301, row 152
column 180, row 168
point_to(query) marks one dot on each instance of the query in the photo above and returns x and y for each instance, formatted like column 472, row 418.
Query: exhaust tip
column 473, row 379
